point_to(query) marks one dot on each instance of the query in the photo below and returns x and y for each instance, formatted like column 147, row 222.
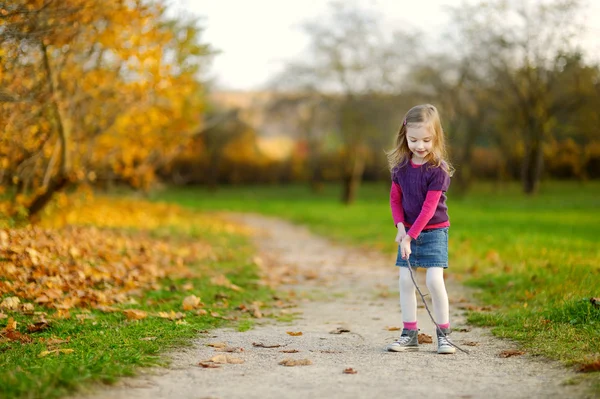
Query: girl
column 420, row 178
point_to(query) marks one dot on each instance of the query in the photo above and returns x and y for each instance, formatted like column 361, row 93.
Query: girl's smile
column 420, row 142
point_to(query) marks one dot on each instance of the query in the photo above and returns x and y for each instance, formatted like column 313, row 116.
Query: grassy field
column 535, row 259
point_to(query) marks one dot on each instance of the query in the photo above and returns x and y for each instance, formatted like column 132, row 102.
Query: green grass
column 535, row 259
column 107, row 345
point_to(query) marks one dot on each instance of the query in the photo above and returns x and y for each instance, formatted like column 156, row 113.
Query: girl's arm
column 427, row 211
column 396, row 204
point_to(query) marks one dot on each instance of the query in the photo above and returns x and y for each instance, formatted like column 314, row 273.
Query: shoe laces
column 443, row 341
column 404, row 339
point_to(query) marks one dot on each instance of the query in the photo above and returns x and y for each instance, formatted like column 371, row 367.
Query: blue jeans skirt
column 430, row 249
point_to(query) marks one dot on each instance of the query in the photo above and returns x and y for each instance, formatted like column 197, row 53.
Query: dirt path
column 349, row 288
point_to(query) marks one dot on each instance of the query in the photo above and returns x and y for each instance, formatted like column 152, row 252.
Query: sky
column 256, row 37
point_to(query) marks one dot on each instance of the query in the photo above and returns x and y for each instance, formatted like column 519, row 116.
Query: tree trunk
column 464, row 174
column 532, row 167
column 60, row 181
column 352, row 178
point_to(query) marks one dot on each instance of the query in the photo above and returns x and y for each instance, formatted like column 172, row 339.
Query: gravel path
column 355, row 291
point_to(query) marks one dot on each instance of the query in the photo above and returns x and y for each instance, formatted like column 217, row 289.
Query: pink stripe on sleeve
column 396, row 204
column 427, row 211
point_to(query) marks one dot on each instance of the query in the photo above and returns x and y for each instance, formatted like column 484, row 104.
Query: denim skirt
column 430, row 249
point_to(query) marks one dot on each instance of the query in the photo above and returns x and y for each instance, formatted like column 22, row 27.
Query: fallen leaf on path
column 340, row 330
column 56, row 351
column 295, row 362
column 290, row 351
column 225, row 359
column 425, row 338
column 261, row 345
column 217, row 345
column 294, row 333
column 463, row 329
column 470, row 343
column 350, row 370
column 393, row 328
column 135, row 314
column 208, row 365
column 510, row 353
column 230, row 349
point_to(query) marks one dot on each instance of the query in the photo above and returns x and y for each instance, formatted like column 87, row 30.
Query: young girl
column 420, row 178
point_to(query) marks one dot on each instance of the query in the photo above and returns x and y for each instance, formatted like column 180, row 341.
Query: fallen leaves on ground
column 208, row 365
column 511, row 353
column 350, row 370
column 191, row 302
column 295, row 362
column 89, row 256
column 56, row 351
column 470, row 343
column 289, row 351
column 38, row 326
column 135, row 314
column 340, row 330
column 261, row 345
column 294, row 333
column 171, row 315
column 393, row 328
column 230, row 349
column 223, row 281
column 589, row 366
column 217, row 344
column 224, row 359
column 425, row 338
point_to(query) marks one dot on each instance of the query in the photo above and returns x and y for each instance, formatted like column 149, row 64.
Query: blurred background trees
column 104, row 93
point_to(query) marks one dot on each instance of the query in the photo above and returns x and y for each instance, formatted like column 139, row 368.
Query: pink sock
column 410, row 325
column 445, row 325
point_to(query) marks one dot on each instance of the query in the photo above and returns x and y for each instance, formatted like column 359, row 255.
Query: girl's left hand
column 405, row 247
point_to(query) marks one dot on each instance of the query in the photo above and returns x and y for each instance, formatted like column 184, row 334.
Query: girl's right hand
column 401, row 233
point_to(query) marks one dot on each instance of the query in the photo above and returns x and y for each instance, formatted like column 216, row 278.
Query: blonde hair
column 421, row 115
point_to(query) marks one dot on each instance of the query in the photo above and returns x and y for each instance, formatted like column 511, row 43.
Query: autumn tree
column 349, row 61
column 519, row 45
column 93, row 90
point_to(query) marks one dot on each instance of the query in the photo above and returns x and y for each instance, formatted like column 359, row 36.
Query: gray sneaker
column 408, row 341
column 445, row 346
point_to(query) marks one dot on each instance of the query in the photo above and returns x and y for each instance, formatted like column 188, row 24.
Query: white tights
column 437, row 289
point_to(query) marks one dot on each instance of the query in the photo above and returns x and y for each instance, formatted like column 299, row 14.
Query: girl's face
column 420, row 142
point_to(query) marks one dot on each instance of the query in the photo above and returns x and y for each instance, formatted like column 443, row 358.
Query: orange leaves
column 191, row 302
column 95, row 267
column 135, row 314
